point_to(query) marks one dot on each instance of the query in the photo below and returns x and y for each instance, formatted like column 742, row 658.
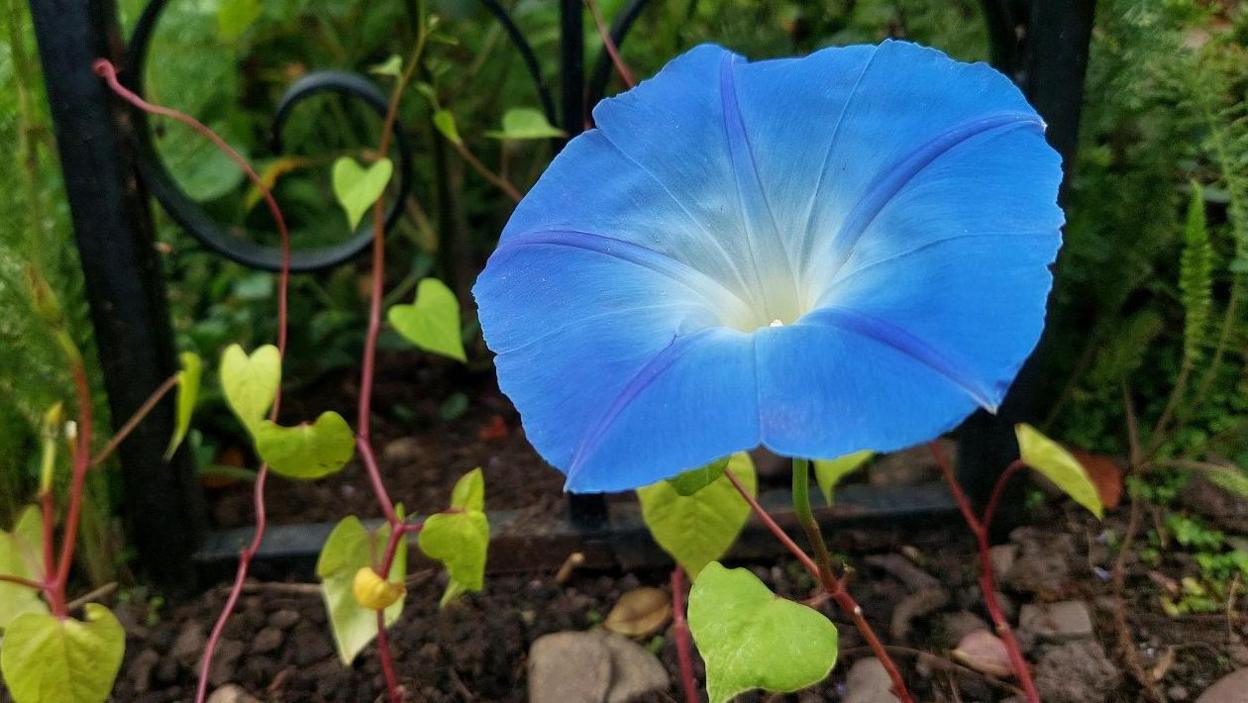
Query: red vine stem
column 105, row 69
column 609, row 44
column 138, row 416
column 835, row 588
column 19, row 581
column 986, row 582
column 683, row 645
column 82, row 464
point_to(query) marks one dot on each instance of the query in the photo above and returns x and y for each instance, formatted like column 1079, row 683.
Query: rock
column 225, row 662
column 231, row 693
column 1008, row 608
column 903, row 570
column 1232, row 688
column 140, row 670
column 635, row 672
column 952, row 627
column 284, row 619
column 1177, row 693
column 591, row 667
column 1227, row 510
column 1075, row 672
column 189, row 644
column 267, row 640
column 1056, row 622
column 402, row 450
column 1002, row 557
column 310, row 645
column 913, row 606
column 868, row 682
column 1043, row 565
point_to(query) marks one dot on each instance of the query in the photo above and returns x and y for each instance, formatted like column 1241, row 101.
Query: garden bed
column 278, row 648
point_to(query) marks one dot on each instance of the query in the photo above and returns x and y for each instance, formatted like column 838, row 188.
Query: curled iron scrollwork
column 192, row 217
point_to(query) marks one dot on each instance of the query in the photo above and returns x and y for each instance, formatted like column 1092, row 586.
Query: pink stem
column 387, row 661
column 106, row 69
column 986, row 583
column 683, row 644
column 835, row 588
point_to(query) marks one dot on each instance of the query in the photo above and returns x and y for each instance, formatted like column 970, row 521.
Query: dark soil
column 278, row 645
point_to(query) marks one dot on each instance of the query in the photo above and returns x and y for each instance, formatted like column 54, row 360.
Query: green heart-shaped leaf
column 526, row 123
column 829, row 472
column 749, row 638
column 432, row 321
column 188, row 395
column 357, row 188
column 21, row 554
column 460, row 537
column 306, row 451
column 49, row 660
column 1059, row 466
column 349, row 548
column 699, row 528
column 250, row 382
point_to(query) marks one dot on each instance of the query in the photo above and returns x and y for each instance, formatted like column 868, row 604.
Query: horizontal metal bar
column 522, row 541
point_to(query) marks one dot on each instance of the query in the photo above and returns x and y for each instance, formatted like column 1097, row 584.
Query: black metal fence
column 110, row 168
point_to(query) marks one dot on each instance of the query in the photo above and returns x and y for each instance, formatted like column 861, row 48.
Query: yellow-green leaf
column 749, row 638
column 357, row 188
column 392, row 66
column 250, row 382
column 1059, row 466
column 349, row 548
column 526, row 123
column 306, row 451
column 699, row 528
column 188, row 395
column 21, row 554
column 829, row 472
column 469, row 491
column 694, row 480
column 460, row 537
column 460, row 540
column 444, row 121
column 49, row 660
column 432, row 321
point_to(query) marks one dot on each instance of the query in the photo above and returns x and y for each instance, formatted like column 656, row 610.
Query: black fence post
column 124, row 282
column 587, row 511
column 1052, row 70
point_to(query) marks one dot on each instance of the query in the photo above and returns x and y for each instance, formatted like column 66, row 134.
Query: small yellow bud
column 373, row 592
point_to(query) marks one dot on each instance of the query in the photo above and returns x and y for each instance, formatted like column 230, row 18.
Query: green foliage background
column 1164, row 109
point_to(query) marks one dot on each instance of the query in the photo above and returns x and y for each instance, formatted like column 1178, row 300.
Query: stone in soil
column 189, row 644
column 231, row 694
column 952, row 627
column 284, row 619
column 868, row 682
column 141, row 668
column 904, row 570
column 1043, row 565
column 591, row 667
column 1002, row 558
column 914, row 606
column 1056, row 622
column 1075, row 672
column 267, row 640
column 1232, row 688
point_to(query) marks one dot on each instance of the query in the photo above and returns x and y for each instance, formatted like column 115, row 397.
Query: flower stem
column 683, row 645
column 986, row 582
column 834, row 588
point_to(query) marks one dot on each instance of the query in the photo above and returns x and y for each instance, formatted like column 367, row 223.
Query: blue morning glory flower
column 820, row 255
